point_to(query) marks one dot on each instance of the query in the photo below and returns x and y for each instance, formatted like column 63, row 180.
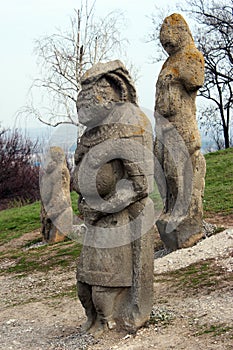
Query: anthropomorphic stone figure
column 178, row 142
column 114, row 176
column 56, row 210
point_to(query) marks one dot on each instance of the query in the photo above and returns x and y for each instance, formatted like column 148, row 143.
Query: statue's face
column 53, row 159
column 174, row 35
column 170, row 38
column 95, row 101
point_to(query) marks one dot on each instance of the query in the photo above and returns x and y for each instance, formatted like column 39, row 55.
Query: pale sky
column 23, row 21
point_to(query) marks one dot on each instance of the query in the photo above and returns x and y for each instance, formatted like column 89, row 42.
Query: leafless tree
column 156, row 19
column 65, row 55
column 213, row 34
column 211, row 126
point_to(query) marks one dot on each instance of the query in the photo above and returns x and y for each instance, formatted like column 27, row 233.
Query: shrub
column 19, row 178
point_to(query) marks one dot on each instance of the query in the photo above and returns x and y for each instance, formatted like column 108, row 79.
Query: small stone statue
column 178, row 142
column 56, row 210
column 113, row 177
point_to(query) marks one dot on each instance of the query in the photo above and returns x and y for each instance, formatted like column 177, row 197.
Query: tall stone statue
column 56, row 209
column 113, row 177
column 178, row 143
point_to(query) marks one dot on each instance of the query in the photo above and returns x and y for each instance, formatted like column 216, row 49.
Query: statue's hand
column 123, row 197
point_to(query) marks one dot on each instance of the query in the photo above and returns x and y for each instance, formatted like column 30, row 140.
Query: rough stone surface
column 114, row 176
column 56, row 210
column 177, row 147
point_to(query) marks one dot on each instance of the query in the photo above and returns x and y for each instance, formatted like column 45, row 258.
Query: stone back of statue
column 56, row 210
column 178, row 141
column 113, row 177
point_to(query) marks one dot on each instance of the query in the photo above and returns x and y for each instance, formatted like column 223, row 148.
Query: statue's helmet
column 117, row 76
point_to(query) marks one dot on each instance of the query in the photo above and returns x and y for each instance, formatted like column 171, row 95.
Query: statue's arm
column 192, row 73
column 129, row 190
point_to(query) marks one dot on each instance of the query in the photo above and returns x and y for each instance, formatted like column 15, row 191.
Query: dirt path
column 193, row 307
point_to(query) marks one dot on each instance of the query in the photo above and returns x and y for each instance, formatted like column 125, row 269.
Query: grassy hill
column 19, row 220
column 219, row 182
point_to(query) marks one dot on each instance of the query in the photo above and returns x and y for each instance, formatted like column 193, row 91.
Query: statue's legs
column 99, row 303
column 85, row 296
column 104, row 299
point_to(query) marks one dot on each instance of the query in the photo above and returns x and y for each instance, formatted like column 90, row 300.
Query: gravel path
column 37, row 313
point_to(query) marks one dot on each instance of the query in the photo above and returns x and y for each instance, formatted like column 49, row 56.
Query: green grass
column 74, row 200
column 196, row 276
column 19, row 220
column 215, row 330
column 16, row 221
column 218, row 196
column 203, row 276
column 155, row 196
column 70, row 292
column 43, row 258
column 219, row 182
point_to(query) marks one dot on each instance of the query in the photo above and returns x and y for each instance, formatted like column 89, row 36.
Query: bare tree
column 211, row 126
column 65, row 55
column 156, row 19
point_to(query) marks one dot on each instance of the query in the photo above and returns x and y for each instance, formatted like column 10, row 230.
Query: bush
column 19, row 178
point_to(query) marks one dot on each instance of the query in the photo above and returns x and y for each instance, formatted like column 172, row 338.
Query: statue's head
column 57, row 154
column 175, row 33
column 103, row 86
column 54, row 157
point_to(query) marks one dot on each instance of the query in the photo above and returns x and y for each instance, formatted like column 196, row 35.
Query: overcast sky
column 23, row 21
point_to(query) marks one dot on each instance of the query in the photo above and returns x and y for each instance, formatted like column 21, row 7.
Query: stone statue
column 113, row 177
column 178, row 142
column 56, row 210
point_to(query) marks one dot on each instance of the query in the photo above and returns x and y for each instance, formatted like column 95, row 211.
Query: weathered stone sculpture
column 178, row 140
column 56, row 210
column 113, row 176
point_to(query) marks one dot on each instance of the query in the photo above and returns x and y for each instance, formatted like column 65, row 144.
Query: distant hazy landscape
column 66, row 136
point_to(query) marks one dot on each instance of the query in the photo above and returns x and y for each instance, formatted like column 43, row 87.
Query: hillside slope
column 219, row 182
